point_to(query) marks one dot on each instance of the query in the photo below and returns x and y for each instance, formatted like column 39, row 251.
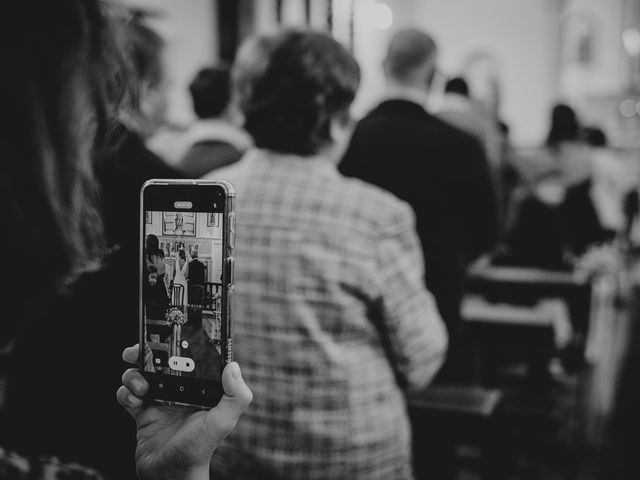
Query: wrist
column 199, row 473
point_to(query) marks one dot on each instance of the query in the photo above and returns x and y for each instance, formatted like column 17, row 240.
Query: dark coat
column 121, row 173
column 581, row 222
column 443, row 174
column 196, row 272
column 208, row 155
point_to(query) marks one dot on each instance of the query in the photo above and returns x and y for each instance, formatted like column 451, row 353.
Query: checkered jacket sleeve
column 410, row 322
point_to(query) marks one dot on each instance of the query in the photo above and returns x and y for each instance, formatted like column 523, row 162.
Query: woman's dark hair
column 144, row 49
column 564, row 126
column 152, row 246
column 289, row 100
column 210, row 91
column 60, row 88
column 182, row 254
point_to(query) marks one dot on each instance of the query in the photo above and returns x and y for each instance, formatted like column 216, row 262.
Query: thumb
column 222, row 419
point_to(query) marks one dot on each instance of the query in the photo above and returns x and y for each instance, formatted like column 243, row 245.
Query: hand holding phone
column 177, row 442
column 185, row 323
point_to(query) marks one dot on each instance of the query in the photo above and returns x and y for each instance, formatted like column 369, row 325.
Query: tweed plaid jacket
column 332, row 322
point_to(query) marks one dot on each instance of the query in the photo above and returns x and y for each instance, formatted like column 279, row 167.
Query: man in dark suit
column 439, row 170
column 196, row 277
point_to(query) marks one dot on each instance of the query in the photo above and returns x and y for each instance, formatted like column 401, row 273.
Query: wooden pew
column 527, row 286
column 447, row 417
column 497, row 333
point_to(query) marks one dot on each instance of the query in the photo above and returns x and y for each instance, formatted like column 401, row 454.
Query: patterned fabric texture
column 16, row 467
column 332, row 322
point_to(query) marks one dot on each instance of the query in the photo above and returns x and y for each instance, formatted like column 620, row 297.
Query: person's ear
column 385, row 67
column 340, row 129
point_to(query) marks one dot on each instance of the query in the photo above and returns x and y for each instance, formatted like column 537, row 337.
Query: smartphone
column 186, row 289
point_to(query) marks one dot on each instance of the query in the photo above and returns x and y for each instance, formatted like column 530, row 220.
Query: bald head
column 411, row 54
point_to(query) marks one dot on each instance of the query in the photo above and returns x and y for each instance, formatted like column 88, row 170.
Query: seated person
column 156, row 299
column 535, row 235
column 213, row 141
column 594, row 208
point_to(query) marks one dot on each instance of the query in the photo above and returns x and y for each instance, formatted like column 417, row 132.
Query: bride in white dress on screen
column 181, row 272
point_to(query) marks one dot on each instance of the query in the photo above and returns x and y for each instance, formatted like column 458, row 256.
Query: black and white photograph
column 212, row 219
column 179, row 223
column 182, row 300
column 396, row 239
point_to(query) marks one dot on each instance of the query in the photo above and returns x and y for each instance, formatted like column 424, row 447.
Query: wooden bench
column 447, row 417
column 488, row 319
column 526, row 286
column 497, row 333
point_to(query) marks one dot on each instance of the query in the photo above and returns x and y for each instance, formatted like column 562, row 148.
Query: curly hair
column 306, row 80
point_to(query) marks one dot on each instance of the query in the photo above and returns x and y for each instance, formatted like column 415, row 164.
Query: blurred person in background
column 469, row 115
column 332, row 313
column 127, row 163
column 60, row 98
column 537, row 231
column 593, row 210
column 439, row 170
column 214, row 140
column 460, row 111
column 557, row 217
column 566, row 145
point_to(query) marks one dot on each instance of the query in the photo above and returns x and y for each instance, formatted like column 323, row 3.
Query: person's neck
column 408, row 92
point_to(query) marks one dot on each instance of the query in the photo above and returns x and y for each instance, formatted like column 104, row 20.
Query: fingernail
column 138, row 386
column 235, row 372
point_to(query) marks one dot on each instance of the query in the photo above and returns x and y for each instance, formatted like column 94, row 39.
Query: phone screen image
column 184, row 328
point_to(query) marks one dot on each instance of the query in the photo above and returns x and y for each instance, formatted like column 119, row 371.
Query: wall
column 190, row 29
column 209, row 240
column 523, row 34
column 605, row 73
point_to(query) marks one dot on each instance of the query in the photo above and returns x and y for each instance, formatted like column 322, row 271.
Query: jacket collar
column 404, row 107
column 219, row 130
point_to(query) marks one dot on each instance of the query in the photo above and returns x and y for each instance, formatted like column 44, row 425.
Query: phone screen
column 184, row 328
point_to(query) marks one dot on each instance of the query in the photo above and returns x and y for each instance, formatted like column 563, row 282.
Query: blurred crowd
column 355, row 236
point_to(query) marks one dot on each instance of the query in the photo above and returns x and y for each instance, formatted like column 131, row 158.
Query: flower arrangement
column 601, row 259
column 175, row 316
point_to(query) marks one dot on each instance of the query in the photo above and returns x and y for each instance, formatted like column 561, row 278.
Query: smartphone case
column 228, row 259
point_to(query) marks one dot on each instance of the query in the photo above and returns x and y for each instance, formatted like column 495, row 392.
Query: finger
column 130, row 354
column 222, row 419
column 134, row 381
column 129, row 401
